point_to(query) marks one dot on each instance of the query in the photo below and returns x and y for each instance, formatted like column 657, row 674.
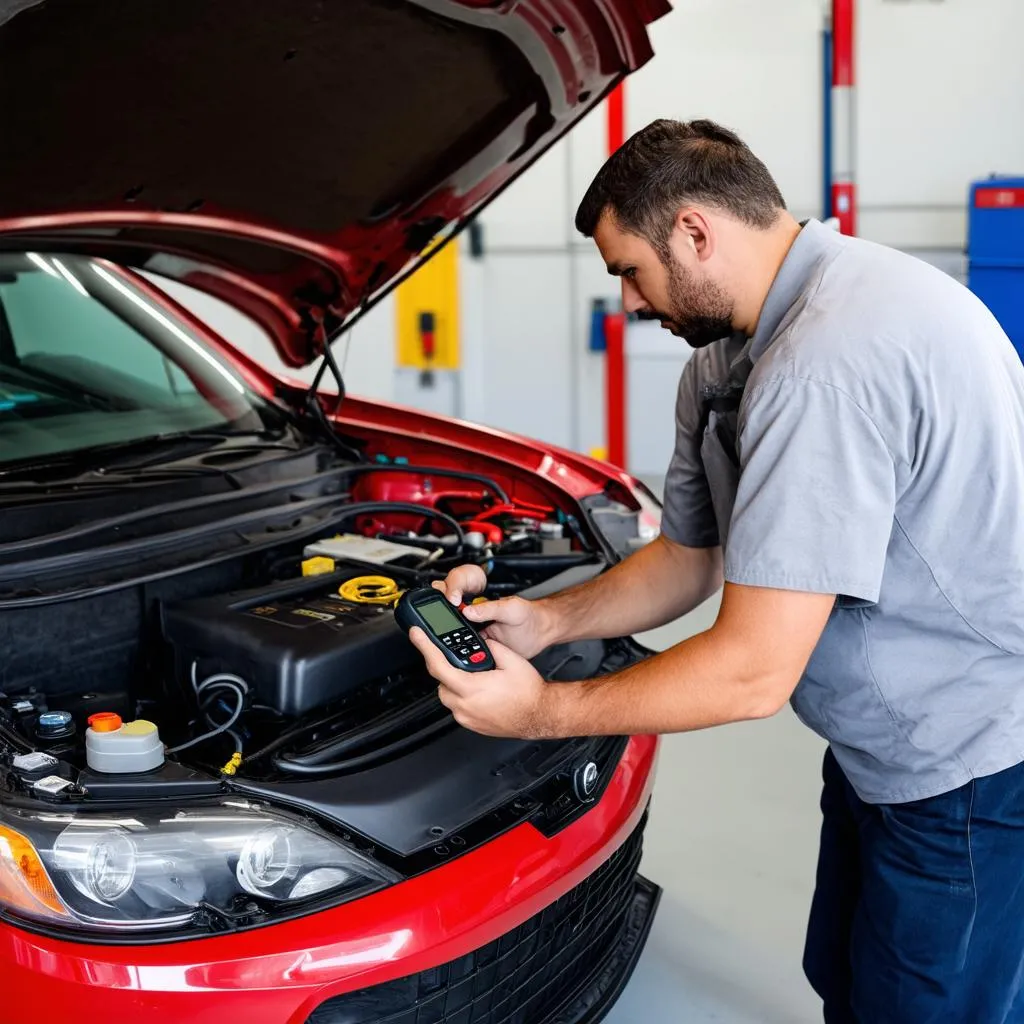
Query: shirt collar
column 814, row 242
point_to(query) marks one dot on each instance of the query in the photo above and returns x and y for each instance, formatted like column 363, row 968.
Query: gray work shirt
column 868, row 442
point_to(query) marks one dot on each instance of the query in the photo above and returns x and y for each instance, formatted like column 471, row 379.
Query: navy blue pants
column 918, row 913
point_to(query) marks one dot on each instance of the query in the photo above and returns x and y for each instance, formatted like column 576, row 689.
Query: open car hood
column 292, row 157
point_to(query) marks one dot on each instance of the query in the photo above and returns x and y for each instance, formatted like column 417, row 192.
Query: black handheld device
column 449, row 630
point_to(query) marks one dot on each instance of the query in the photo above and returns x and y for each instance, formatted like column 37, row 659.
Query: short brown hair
column 671, row 163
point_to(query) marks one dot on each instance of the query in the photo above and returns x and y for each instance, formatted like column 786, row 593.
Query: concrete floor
column 733, row 843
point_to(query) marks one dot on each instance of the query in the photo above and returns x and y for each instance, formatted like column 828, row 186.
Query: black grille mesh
column 522, row 978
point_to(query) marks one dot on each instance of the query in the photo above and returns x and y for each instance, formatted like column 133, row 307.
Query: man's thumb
column 483, row 611
column 504, row 657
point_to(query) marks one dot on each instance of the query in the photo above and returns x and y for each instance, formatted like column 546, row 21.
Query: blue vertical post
column 826, row 122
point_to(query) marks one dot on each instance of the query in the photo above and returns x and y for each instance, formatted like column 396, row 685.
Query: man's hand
column 745, row 667
column 512, row 700
column 522, row 626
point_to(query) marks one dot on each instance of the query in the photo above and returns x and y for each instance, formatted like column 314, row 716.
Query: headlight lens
column 110, row 862
column 154, row 871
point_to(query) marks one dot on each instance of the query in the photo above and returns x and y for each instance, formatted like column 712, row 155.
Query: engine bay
column 278, row 665
column 209, row 717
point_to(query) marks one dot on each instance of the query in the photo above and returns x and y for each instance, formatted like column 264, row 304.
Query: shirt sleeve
column 688, row 515
column 816, row 500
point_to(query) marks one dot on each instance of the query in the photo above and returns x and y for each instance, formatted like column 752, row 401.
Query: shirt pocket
column 721, row 466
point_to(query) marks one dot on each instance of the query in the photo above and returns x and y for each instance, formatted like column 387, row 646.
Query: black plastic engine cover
column 299, row 645
column 441, row 788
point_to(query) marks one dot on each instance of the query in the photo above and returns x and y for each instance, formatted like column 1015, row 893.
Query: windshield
column 87, row 360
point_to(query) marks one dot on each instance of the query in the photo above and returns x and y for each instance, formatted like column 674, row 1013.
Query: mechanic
column 849, row 461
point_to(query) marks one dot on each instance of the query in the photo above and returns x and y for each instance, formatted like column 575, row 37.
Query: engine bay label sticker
column 51, row 784
column 296, row 617
column 34, row 762
column 367, row 549
column 315, row 612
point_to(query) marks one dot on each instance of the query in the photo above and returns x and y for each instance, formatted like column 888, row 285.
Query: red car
column 228, row 790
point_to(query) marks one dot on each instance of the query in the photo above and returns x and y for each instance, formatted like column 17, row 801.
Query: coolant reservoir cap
column 104, row 721
column 140, row 727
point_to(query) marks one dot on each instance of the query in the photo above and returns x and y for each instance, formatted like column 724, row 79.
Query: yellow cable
column 370, row 590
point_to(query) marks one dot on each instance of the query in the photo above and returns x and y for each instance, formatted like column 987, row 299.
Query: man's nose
column 632, row 300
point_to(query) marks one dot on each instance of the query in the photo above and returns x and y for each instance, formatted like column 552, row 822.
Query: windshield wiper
column 163, row 446
column 207, row 502
column 53, row 386
column 116, row 464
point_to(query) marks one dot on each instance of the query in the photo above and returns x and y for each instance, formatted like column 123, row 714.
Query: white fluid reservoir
column 118, row 747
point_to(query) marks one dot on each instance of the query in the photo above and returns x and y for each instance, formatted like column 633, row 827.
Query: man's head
column 686, row 215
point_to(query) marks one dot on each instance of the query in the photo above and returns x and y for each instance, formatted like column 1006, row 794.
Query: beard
column 699, row 311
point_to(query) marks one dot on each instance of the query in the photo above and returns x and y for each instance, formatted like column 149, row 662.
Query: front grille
column 528, row 976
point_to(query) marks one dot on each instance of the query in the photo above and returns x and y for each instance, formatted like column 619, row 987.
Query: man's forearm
column 745, row 667
column 655, row 585
column 694, row 685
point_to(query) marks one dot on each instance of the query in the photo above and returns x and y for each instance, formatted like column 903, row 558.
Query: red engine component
column 523, row 509
column 491, row 531
column 419, row 490
column 472, row 503
column 456, row 497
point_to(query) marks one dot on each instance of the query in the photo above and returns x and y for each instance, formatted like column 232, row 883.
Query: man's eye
column 630, row 273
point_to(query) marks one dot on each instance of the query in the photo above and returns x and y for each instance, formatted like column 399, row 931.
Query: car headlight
column 154, row 871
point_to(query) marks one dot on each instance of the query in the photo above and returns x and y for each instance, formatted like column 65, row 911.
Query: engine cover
column 298, row 645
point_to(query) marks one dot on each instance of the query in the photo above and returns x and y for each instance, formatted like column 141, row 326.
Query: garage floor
column 733, row 844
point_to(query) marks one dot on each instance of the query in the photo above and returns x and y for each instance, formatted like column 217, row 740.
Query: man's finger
column 438, row 665
column 449, row 589
column 504, row 657
column 502, row 610
column 455, row 705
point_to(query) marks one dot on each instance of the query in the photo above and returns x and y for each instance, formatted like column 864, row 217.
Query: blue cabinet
column 995, row 251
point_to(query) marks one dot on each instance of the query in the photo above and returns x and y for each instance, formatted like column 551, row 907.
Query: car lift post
column 844, row 120
column 615, row 323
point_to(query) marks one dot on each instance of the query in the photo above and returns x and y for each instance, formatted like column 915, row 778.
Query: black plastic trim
column 641, row 914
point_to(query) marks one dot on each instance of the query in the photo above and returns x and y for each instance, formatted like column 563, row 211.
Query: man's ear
column 695, row 232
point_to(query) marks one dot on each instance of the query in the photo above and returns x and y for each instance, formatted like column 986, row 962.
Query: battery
column 298, row 645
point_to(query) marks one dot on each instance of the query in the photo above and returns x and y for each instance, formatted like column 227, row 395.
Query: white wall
column 940, row 99
column 941, row 102
column 752, row 65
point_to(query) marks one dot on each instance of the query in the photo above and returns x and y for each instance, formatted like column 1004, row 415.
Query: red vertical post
column 615, row 387
column 615, row 323
column 844, row 111
column 617, row 118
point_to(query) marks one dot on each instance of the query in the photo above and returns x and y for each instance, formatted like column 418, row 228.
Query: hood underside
column 292, row 157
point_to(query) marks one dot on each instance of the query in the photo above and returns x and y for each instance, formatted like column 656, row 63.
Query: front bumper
column 566, row 965
column 284, row 973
